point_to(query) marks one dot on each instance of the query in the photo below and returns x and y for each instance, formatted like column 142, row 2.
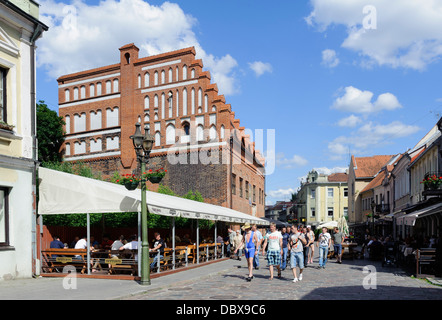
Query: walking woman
column 311, row 236
column 251, row 251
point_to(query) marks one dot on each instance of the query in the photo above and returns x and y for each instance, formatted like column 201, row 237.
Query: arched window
column 212, row 133
column 170, row 107
column 155, row 101
column 170, row 134
column 95, row 120
column 146, row 102
column 116, row 85
column 139, row 81
column 112, row 117
column 146, row 79
column 127, row 56
column 200, row 97
column 98, row 88
column 157, row 139
column 66, row 95
column 91, row 90
column 177, row 103
column 82, row 92
column 163, row 76
column 192, row 100
column 192, row 74
column 222, row 132
column 146, row 117
column 75, row 93
column 186, row 137
column 163, row 105
column 95, row 146
column 108, row 86
column 200, row 133
column 170, row 75
column 184, row 72
column 184, row 101
column 206, row 102
column 177, row 74
column 67, row 151
column 213, row 108
column 67, row 120
column 155, row 78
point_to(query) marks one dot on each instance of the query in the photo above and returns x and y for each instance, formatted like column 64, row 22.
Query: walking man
column 297, row 241
column 324, row 244
column 274, row 250
column 285, row 240
column 258, row 246
column 338, row 238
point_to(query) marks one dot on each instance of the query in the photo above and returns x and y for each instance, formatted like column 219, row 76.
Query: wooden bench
column 122, row 260
column 424, row 257
column 53, row 259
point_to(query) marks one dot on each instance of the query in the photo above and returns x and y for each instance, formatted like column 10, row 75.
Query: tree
column 50, row 135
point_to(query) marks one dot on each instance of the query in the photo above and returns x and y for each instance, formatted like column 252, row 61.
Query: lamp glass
column 137, row 138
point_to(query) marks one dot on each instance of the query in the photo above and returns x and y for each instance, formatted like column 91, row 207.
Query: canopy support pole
column 216, row 244
column 173, row 242
column 197, row 242
column 139, row 244
column 88, row 232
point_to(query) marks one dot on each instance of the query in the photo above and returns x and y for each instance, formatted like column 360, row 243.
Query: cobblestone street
column 337, row 282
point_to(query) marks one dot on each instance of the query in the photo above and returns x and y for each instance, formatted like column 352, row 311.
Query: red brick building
column 197, row 137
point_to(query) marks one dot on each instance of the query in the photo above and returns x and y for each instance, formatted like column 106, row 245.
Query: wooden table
column 350, row 247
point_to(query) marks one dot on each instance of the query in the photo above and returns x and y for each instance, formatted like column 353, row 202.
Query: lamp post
column 373, row 207
column 143, row 147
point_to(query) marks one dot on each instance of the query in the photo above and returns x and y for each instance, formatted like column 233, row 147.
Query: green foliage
column 50, row 133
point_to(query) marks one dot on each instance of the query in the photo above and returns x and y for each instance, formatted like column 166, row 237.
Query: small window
column 330, row 192
column 186, row 128
column 313, row 194
column 127, row 56
column 240, row 186
column 233, row 183
column 312, row 212
column 330, row 212
column 346, row 192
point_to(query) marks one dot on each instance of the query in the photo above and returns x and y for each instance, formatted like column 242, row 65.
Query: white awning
column 64, row 193
column 410, row 219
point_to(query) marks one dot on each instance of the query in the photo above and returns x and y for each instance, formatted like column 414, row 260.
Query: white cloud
column 368, row 136
column 83, row 36
column 405, row 33
column 351, row 121
column 280, row 193
column 358, row 101
column 260, row 67
column 288, row 163
column 329, row 58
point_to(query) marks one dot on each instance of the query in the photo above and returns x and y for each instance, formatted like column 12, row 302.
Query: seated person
column 131, row 245
column 158, row 246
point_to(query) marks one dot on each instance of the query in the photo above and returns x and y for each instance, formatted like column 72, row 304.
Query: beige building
column 19, row 29
column 362, row 170
column 322, row 198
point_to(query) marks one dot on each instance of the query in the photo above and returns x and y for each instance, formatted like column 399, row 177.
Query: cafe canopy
column 64, row 193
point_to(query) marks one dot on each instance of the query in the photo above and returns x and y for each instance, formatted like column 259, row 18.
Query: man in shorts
column 274, row 250
column 297, row 241
column 338, row 238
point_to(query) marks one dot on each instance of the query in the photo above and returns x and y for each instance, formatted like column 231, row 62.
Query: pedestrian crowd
column 291, row 247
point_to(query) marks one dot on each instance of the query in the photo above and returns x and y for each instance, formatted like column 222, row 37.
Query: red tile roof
column 369, row 166
column 338, row 177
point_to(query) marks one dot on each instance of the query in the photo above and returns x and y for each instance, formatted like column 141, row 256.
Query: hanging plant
column 154, row 176
column 130, row 181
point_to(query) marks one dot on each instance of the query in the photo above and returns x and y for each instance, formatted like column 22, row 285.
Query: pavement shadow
column 373, row 292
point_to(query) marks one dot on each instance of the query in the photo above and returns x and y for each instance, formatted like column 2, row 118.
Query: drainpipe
column 36, row 268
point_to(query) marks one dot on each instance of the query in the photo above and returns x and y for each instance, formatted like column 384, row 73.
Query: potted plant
column 155, row 176
column 432, row 182
column 130, row 181
column 5, row 126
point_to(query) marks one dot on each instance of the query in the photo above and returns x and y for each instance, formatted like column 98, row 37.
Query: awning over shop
column 279, row 224
column 410, row 219
column 64, row 193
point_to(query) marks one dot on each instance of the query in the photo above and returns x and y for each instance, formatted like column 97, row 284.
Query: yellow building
column 19, row 29
column 322, row 198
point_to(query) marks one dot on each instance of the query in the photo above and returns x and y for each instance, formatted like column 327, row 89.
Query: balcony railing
column 382, row 208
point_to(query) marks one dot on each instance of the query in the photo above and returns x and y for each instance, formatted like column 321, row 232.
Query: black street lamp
column 373, row 208
column 143, row 147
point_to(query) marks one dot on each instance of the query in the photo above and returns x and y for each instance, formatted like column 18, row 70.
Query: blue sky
column 331, row 77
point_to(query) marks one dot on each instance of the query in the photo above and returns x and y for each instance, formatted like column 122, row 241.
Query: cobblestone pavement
column 336, row 282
